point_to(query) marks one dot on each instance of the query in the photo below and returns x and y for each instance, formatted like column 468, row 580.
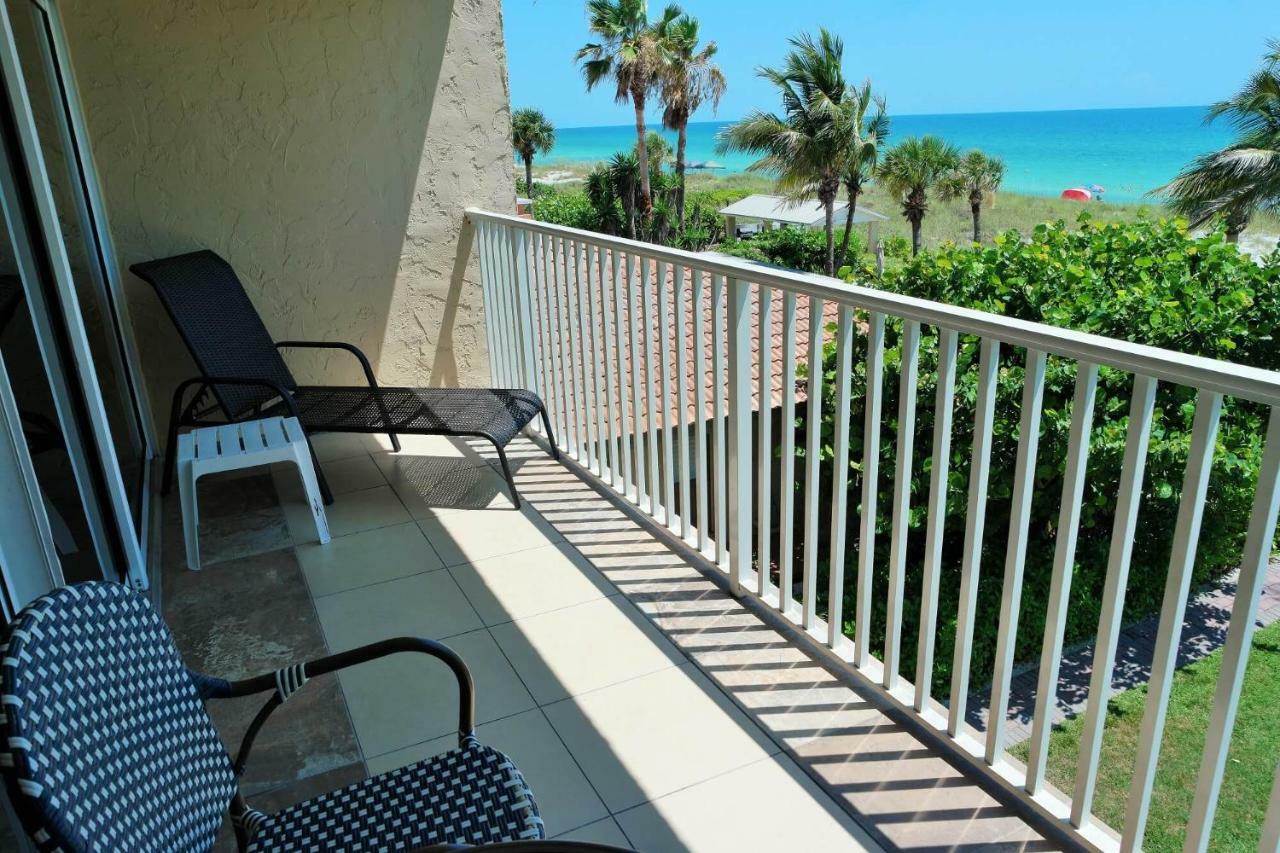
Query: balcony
column 647, row 706
column 670, row 376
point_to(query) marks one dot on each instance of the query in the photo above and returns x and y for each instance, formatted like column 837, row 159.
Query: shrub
column 1146, row 281
column 897, row 246
column 802, row 249
column 572, row 209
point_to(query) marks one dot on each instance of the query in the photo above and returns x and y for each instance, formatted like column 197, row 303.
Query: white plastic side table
column 208, row 450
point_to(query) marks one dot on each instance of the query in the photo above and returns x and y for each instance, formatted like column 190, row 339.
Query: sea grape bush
column 1147, row 281
column 801, row 249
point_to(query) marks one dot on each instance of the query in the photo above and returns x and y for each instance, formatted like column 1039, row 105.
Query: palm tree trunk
column 528, row 174
column 1233, row 233
column 829, row 210
column 681, row 139
column 976, row 207
column 848, row 226
column 642, row 153
column 915, row 236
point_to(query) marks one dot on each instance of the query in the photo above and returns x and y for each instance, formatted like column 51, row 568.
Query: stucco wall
column 326, row 148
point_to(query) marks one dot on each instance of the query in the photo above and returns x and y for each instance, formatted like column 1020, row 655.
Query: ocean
column 1129, row 151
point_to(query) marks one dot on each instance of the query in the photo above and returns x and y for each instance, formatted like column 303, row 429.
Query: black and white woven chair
column 107, row 746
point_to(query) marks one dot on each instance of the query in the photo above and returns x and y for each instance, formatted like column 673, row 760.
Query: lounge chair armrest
column 203, row 382
column 342, row 345
column 287, row 680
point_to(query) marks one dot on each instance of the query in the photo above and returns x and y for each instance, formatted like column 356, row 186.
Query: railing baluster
column 622, row 367
column 941, row 455
column 787, row 468
column 840, row 477
column 975, row 521
column 1186, row 535
column 668, row 428
column 682, row 401
column 568, row 254
column 636, row 361
column 555, row 305
column 1235, row 652
column 524, row 311
column 493, row 307
column 901, row 499
column 764, row 444
column 718, row 404
column 812, row 463
column 606, row 357
column 739, row 459
column 1064, row 558
column 652, row 422
column 487, row 296
column 591, row 361
column 1024, row 474
column 870, row 487
column 1104, row 649
column 700, row 419
column 1270, row 841
column 511, row 333
column 548, row 378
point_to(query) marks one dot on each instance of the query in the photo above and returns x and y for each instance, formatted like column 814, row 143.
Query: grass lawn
column 1251, row 762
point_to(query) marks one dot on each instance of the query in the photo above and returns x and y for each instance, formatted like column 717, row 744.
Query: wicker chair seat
column 495, row 413
column 414, row 806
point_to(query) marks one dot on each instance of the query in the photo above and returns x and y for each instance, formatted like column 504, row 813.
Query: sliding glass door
column 66, row 339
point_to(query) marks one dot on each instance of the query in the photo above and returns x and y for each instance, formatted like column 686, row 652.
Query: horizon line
column 656, row 123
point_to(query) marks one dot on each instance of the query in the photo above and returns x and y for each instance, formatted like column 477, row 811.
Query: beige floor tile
column 564, row 796
column 583, row 647
column 373, row 556
column 604, row 831
column 349, row 513
column 530, row 582
column 465, row 536
column 767, row 806
column 431, row 445
column 352, row 474
column 435, row 484
column 653, row 735
column 409, row 698
column 341, row 445
column 428, row 605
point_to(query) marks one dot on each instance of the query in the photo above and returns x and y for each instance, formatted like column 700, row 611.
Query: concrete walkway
column 1204, row 630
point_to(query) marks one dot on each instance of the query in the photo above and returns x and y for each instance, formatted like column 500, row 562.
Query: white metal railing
column 602, row 328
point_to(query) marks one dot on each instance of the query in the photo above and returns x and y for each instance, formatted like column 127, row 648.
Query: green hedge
column 1147, row 281
column 796, row 248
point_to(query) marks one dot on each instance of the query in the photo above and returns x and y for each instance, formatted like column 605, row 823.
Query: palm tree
column 627, row 54
column 1243, row 178
column 658, row 149
column 913, row 168
column 865, row 138
column 689, row 79
column 625, row 175
column 975, row 176
column 803, row 147
column 531, row 134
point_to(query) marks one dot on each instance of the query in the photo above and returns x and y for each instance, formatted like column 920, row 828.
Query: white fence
column 652, row 362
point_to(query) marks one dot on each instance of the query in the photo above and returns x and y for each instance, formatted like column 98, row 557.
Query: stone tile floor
column 647, row 707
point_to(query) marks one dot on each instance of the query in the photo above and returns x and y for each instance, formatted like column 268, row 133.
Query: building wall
column 326, row 148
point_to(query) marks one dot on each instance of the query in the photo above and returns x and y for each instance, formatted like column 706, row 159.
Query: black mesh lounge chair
column 105, row 744
column 241, row 367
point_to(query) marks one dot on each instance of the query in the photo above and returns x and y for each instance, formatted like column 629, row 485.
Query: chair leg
column 325, row 494
column 171, row 447
column 190, row 514
column 551, row 436
column 311, row 487
column 506, row 472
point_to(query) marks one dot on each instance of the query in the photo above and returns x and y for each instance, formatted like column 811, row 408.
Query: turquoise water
column 1129, row 152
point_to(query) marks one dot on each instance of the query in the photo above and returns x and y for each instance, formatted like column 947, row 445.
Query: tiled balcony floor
column 646, row 706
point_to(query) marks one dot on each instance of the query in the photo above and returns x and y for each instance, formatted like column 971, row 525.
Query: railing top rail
column 1250, row 383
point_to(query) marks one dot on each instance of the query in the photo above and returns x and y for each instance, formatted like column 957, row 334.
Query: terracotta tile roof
column 565, row 307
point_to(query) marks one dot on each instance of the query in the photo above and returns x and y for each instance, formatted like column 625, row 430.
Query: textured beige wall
column 327, row 148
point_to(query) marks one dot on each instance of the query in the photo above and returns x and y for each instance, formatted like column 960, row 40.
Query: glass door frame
column 28, row 203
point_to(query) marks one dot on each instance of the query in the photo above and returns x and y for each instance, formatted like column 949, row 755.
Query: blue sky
column 931, row 56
